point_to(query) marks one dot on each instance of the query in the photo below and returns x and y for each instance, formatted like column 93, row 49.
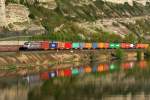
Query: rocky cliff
column 84, row 17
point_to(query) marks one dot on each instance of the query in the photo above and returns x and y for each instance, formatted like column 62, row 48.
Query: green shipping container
column 112, row 45
column 75, row 45
column 75, row 71
column 117, row 45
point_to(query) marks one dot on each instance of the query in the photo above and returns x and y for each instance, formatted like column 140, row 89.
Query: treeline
column 95, row 37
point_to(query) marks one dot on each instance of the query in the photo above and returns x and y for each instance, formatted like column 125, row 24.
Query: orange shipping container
column 61, row 45
column 101, row 45
column 88, row 45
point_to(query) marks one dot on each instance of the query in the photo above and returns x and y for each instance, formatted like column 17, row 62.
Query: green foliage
column 139, row 55
column 130, row 38
column 119, row 53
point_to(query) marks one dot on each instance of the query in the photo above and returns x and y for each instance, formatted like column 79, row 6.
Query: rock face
column 2, row 13
column 77, row 16
column 17, row 15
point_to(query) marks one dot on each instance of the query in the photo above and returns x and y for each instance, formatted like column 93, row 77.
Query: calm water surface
column 127, row 80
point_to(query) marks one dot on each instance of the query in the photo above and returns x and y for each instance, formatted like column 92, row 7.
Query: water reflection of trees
column 78, row 88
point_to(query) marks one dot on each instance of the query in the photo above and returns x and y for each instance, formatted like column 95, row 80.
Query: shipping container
column 112, row 45
column 101, row 45
column 61, row 45
column 146, row 46
column 106, row 45
column 95, row 45
column 88, row 45
column 131, row 46
column 68, row 45
column 75, row 45
column 45, row 45
column 117, row 45
column 82, row 45
column 53, row 45
column 75, row 71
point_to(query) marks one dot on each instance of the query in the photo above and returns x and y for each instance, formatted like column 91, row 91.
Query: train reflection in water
column 97, row 69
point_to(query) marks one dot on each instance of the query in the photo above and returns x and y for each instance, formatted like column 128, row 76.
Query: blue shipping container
column 94, row 45
column 53, row 45
column 81, row 45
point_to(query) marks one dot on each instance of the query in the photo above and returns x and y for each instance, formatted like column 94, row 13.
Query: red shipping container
column 127, row 45
column 68, row 45
column 45, row 45
column 67, row 72
column 106, row 45
column 88, row 45
column 44, row 76
column 123, row 45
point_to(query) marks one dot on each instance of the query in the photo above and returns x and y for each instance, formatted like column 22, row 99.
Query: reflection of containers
column 75, row 71
column 44, row 76
column 68, row 45
column 112, row 67
column 94, row 45
column 61, row 45
column 142, row 64
column 45, row 45
column 101, row 45
column 81, row 70
column 60, row 73
column 88, row 45
column 100, row 68
column 88, row 69
column 106, row 67
column 126, row 65
column 52, row 74
column 53, row 45
column 33, row 78
column 82, row 45
column 75, row 45
column 94, row 69
column 67, row 72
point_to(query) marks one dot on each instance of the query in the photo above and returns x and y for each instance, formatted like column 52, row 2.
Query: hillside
column 89, row 20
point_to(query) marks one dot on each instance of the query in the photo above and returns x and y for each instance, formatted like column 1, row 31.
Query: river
column 114, row 80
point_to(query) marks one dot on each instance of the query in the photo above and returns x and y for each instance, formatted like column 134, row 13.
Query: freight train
column 46, row 45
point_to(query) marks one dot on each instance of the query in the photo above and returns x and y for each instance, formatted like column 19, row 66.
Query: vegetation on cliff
column 65, row 21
